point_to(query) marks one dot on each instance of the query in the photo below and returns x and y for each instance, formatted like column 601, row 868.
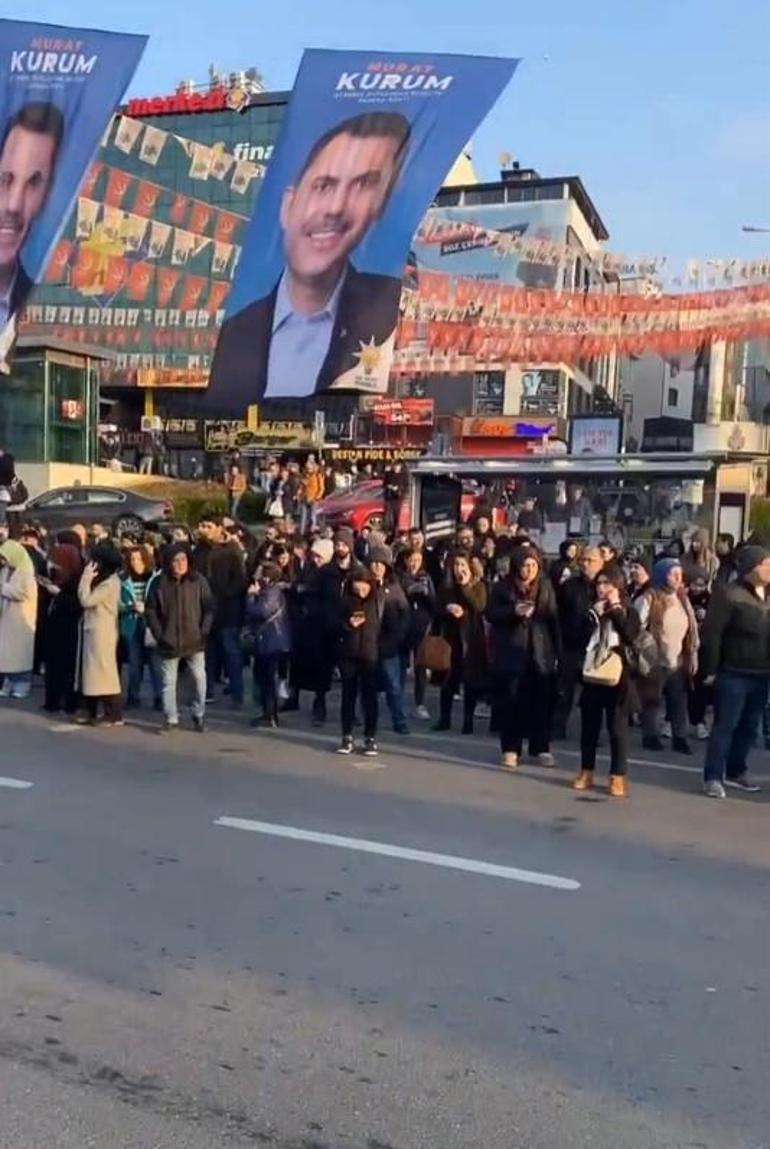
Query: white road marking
column 16, row 784
column 427, row 857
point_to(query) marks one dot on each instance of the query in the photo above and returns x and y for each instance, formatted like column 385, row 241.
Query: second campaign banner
column 366, row 143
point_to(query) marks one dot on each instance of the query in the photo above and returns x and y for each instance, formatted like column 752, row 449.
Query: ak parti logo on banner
column 58, row 90
column 381, row 130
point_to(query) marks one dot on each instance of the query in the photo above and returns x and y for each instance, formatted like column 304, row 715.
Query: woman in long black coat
column 62, row 625
column 460, row 613
column 526, row 645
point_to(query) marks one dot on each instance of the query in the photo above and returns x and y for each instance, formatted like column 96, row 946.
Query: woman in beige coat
column 99, row 594
column 18, row 620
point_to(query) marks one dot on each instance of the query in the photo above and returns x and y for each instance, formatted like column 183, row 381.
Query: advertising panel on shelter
column 58, row 90
column 367, row 140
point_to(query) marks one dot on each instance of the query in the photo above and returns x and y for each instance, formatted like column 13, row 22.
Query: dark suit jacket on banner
column 368, row 309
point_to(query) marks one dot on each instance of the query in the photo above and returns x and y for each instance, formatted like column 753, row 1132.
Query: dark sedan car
column 122, row 512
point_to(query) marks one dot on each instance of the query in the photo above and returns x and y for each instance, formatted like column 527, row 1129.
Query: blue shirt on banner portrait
column 58, row 90
column 367, row 139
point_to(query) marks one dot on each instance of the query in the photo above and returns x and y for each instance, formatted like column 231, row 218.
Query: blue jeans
column 140, row 656
column 739, row 700
column 392, row 685
column 224, row 653
column 170, row 672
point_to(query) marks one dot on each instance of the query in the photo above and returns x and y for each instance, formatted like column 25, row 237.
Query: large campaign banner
column 58, row 90
column 366, row 142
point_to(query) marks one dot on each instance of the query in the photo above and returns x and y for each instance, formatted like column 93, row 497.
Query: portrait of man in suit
column 30, row 145
column 313, row 326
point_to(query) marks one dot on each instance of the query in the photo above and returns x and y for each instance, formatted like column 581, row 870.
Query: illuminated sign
column 235, row 99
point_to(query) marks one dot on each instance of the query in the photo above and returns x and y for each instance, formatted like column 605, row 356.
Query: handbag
column 275, row 508
column 643, row 655
column 434, row 653
column 602, row 666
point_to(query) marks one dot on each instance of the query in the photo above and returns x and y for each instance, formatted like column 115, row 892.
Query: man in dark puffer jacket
column 179, row 612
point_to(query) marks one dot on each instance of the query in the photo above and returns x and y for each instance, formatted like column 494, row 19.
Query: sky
column 662, row 107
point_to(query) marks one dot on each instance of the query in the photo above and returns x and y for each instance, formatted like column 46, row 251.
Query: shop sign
column 403, row 412
column 508, row 426
column 373, row 454
column 235, row 98
column 232, row 435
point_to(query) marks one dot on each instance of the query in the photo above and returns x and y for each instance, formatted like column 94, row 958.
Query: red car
column 363, row 505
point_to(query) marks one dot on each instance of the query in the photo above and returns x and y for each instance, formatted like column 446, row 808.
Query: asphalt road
column 168, row 982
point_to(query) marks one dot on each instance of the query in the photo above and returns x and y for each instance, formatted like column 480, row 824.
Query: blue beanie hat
column 661, row 571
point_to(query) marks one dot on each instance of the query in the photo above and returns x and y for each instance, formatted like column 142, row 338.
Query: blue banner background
column 86, row 101
column 441, row 124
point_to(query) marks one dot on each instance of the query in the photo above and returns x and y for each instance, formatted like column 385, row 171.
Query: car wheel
column 127, row 525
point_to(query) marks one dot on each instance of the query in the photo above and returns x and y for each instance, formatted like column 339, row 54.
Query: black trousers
column 570, row 671
column 450, row 686
column 699, row 700
column 265, row 680
column 112, row 707
column 524, row 708
column 359, row 678
column 611, row 704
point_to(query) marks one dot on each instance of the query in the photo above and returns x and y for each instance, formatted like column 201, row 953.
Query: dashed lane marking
column 16, row 784
column 385, row 849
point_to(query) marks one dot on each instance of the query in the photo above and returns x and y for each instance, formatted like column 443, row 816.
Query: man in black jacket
column 735, row 655
column 332, row 579
column 179, row 613
column 575, row 597
column 222, row 563
column 393, row 612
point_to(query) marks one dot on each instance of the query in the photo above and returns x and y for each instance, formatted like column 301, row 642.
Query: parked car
column 363, row 505
column 120, row 511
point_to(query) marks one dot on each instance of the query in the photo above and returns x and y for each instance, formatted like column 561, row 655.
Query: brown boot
column 617, row 786
column 584, row 780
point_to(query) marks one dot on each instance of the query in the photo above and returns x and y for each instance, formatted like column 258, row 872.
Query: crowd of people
column 506, row 637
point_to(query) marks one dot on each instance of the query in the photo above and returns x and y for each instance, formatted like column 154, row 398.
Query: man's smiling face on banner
column 336, row 201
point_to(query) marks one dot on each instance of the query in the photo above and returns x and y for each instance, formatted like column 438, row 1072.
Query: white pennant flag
column 159, row 237
column 221, row 258
column 186, row 246
column 104, row 141
column 87, row 215
column 127, row 134
column 112, row 222
column 153, row 143
column 133, row 231
column 221, row 163
column 201, row 162
column 242, row 177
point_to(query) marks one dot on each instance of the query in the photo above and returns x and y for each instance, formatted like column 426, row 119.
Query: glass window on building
column 22, row 409
column 67, row 412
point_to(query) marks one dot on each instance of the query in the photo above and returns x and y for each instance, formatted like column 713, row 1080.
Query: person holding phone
column 614, row 625
column 267, row 617
column 460, row 614
column 359, row 651
column 526, row 644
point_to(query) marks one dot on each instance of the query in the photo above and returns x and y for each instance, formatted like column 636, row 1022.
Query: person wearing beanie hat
column 735, row 655
column 393, row 611
column 639, row 573
column 329, row 589
column 664, row 610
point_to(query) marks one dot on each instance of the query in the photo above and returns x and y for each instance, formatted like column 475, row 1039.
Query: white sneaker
column 21, row 692
column 483, row 710
column 423, row 713
column 714, row 789
column 510, row 761
column 546, row 759
column 702, row 732
column 665, row 729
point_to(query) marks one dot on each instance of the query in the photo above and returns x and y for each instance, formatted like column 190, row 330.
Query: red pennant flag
column 200, row 217
column 90, row 179
column 179, row 208
column 167, row 280
column 85, row 269
column 118, row 184
column 193, row 286
column 226, row 227
column 117, row 274
column 146, row 198
column 56, row 270
column 139, row 281
column 217, row 295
